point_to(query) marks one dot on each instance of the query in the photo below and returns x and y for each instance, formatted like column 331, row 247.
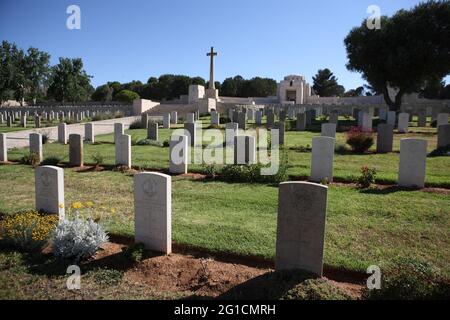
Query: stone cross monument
column 211, row 92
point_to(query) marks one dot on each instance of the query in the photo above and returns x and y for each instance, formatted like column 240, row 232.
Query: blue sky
column 136, row 39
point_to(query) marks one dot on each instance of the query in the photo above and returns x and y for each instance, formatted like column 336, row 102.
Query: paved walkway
column 20, row 139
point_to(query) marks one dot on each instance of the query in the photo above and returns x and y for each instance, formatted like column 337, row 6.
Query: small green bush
column 149, row 142
column 135, row 252
column 341, row 149
column 106, row 277
column 166, row 143
column 136, row 124
column 367, row 177
column 51, row 161
column 315, row 289
column 410, row 279
column 440, row 152
column 224, row 120
column 98, row 158
column 45, row 137
column 252, row 173
column 210, row 170
column 31, row 159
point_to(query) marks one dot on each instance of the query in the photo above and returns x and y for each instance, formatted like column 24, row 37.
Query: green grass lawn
column 363, row 227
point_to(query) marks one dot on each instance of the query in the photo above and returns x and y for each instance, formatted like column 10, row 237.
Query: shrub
column 77, row 239
column 360, row 141
column 45, row 137
column 135, row 252
column 411, row 280
column 166, row 143
column 31, row 159
column 367, row 177
column 252, row 173
column 149, row 142
column 290, row 125
column 118, row 115
column 28, row 230
column 127, row 96
column 440, row 152
column 341, row 149
column 315, row 289
column 51, row 161
column 98, row 158
column 210, row 170
column 224, row 119
column 136, row 124
column 105, row 276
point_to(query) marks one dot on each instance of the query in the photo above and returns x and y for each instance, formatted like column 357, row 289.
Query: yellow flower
column 77, row 205
column 61, row 205
column 113, row 210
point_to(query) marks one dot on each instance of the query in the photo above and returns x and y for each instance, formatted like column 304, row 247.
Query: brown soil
column 194, row 276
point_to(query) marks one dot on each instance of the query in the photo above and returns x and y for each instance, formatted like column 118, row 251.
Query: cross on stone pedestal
column 211, row 69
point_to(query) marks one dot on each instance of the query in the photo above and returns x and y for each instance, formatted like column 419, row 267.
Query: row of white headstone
column 301, row 218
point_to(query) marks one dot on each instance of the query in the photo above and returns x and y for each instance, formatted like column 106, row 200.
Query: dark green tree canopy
column 22, row 75
column 69, row 81
column 325, row 84
column 103, row 93
column 127, row 96
column 411, row 48
column 255, row 87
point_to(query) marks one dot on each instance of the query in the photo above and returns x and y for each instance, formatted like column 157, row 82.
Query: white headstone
column 191, row 133
column 244, row 150
column 215, row 118
column 3, row 148
column 89, row 132
column 118, row 130
column 231, row 131
column 178, row 156
column 443, row 135
column 36, row 145
column 166, row 121
column 366, row 121
column 153, row 211
column 123, row 150
column 173, row 117
column 328, row 130
column 62, row 133
column 302, row 208
column 49, row 190
column 322, row 159
column 413, row 155
column 403, row 122
column 442, row 118
column 390, row 118
column 190, row 118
